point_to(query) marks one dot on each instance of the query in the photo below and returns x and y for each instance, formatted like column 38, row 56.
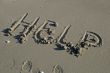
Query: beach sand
column 83, row 15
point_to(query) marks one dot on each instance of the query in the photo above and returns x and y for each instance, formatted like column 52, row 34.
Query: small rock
column 41, row 71
column 7, row 41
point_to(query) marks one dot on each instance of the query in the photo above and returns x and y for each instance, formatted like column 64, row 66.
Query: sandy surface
column 92, row 15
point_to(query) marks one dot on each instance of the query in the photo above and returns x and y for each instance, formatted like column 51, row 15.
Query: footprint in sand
column 57, row 69
column 27, row 66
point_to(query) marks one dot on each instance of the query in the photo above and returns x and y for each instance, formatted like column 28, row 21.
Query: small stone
column 7, row 41
column 41, row 71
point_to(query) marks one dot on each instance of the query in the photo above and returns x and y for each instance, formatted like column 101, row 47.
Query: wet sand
column 83, row 15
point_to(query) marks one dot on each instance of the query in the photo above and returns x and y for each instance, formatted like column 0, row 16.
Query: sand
column 83, row 15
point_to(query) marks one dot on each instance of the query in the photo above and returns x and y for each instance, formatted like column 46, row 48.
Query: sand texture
column 82, row 15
